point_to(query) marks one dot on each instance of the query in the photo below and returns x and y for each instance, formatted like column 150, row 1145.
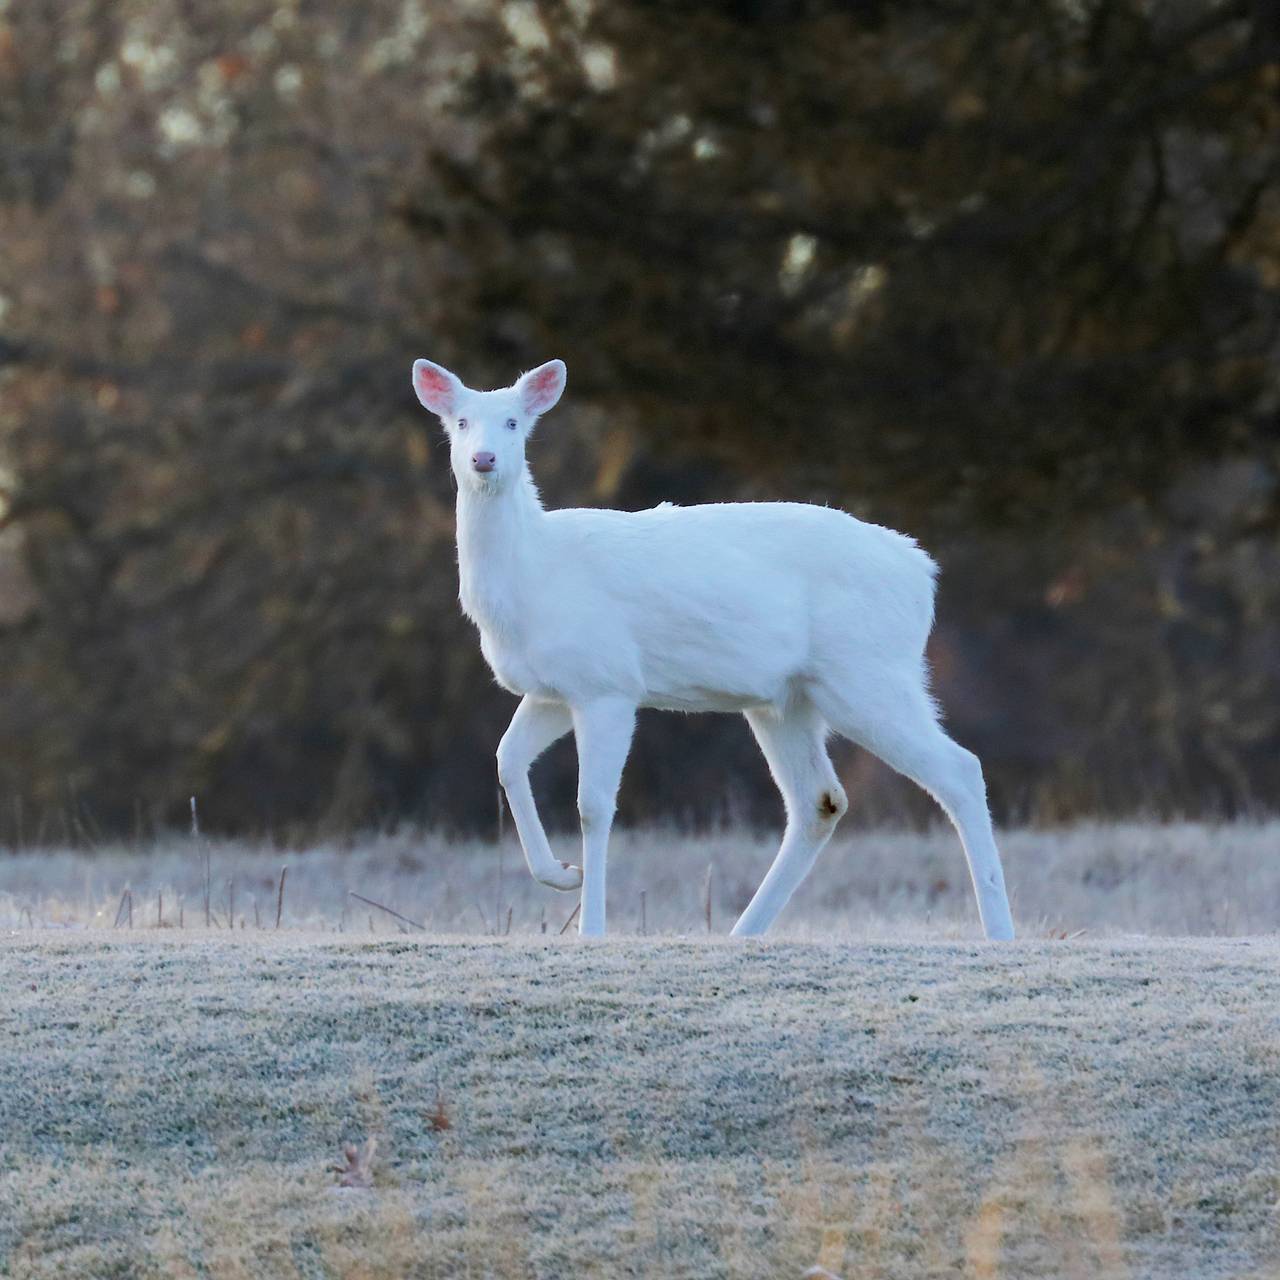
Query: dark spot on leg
column 827, row 806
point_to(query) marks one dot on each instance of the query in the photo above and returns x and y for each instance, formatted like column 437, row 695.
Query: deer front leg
column 603, row 729
column 533, row 728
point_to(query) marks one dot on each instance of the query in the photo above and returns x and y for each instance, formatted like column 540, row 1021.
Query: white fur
column 803, row 618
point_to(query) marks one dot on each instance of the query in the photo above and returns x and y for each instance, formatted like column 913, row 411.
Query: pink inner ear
column 541, row 387
column 435, row 389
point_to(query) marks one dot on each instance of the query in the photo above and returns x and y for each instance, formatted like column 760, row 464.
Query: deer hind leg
column 534, row 727
column 794, row 743
column 902, row 729
column 603, row 729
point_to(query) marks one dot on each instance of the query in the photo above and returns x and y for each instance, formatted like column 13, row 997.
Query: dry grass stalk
column 356, row 1169
column 502, row 849
column 284, row 871
column 439, row 1117
column 706, row 897
column 370, row 902
column 644, row 923
column 159, row 908
column 571, row 918
column 208, row 885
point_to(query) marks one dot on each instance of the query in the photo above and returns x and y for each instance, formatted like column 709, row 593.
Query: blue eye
column 462, row 424
column 511, row 424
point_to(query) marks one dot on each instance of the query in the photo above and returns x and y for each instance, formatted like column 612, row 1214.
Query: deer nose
column 483, row 461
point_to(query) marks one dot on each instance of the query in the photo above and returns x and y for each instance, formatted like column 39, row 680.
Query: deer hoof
column 566, row 877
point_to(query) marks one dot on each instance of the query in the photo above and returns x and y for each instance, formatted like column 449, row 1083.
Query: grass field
column 1117, row 878
column 884, row 1100
column 659, row 1108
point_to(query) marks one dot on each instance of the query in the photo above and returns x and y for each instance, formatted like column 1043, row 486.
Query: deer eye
column 511, row 424
column 462, row 424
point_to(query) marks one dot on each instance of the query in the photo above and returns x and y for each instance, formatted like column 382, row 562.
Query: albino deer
column 802, row 618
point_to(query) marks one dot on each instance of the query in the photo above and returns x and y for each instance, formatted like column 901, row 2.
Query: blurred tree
column 1004, row 274
column 999, row 262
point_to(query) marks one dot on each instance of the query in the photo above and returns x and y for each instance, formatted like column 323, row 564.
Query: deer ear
column 540, row 388
column 437, row 388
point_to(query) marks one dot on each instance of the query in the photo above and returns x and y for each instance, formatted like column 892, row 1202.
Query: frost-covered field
column 1179, row 879
column 638, row 1107
column 875, row 1091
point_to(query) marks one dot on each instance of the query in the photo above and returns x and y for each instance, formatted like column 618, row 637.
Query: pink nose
column 483, row 461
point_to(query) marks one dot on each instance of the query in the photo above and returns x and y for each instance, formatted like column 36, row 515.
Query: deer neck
column 498, row 538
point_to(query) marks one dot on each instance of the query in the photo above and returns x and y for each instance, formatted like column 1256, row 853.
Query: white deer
column 803, row 618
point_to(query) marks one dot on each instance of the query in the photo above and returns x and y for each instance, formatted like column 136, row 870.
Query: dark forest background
column 1003, row 274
